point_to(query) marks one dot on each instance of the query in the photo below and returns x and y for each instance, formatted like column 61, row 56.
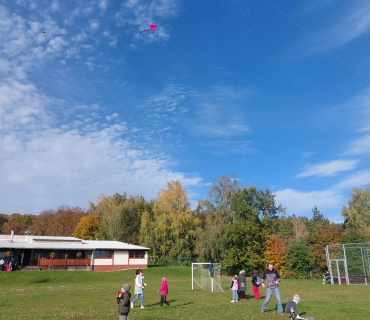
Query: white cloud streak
column 328, row 169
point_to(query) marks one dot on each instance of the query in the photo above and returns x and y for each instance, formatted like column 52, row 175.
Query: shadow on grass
column 170, row 302
column 41, row 280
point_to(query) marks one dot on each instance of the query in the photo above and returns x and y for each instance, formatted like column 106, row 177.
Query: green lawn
column 92, row 295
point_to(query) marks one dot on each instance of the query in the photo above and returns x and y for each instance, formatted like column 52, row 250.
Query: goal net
column 201, row 277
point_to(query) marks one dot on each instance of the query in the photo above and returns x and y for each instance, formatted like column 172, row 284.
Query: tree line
column 241, row 227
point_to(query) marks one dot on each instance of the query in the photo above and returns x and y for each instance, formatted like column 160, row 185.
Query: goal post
column 202, row 278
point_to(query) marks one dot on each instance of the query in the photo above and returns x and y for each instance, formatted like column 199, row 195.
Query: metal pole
column 338, row 273
column 345, row 264
column 192, row 276
column 363, row 264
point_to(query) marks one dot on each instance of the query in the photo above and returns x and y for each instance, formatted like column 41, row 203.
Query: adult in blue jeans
column 272, row 279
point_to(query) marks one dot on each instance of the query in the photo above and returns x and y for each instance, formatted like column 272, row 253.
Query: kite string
column 312, row 37
column 25, row 45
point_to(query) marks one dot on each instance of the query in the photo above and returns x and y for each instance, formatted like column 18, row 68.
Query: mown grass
column 91, row 295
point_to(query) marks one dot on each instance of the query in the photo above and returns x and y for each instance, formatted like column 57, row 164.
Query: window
column 137, row 254
column 103, row 254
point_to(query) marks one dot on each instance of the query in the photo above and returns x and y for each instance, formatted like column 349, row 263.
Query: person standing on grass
column 2, row 264
column 242, row 284
column 139, row 289
column 256, row 286
column 164, row 291
column 272, row 278
column 234, row 287
column 123, row 300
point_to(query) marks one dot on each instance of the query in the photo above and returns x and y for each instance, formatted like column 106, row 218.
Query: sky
column 276, row 92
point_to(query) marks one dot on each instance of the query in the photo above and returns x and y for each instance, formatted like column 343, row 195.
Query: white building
column 68, row 253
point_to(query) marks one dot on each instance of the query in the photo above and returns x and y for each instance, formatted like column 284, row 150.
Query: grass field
column 92, row 295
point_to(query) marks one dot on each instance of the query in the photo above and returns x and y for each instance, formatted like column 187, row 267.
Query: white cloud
column 359, row 146
column 300, row 202
column 307, row 154
column 217, row 111
column 358, row 179
column 328, row 169
column 103, row 4
column 347, row 24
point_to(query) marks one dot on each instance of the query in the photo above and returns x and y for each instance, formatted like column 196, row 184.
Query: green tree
column 357, row 214
column 354, row 236
column 245, row 238
column 216, row 214
column 3, row 220
column 298, row 261
column 120, row 216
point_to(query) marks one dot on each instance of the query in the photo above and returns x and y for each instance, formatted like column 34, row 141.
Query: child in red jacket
column 164, row 291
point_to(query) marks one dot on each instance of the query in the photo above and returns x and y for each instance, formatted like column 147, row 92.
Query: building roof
column 62, row 243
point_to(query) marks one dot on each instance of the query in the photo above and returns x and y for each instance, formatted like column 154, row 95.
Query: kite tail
column 25, row 45
column 145, row 30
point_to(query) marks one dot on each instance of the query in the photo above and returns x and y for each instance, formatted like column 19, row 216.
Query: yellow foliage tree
column 88, row 227
column 169, row 230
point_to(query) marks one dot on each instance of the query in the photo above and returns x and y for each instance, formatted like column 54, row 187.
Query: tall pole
column 192, row 276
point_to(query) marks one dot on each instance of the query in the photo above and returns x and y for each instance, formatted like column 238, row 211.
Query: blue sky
column 96, row 107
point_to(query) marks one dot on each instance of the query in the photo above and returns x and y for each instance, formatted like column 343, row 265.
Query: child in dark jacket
column 291, row 308
column 123, row 300
column 256, row 287
column 164, row 291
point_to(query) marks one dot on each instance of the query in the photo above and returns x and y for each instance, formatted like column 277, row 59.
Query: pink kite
column 152, row 27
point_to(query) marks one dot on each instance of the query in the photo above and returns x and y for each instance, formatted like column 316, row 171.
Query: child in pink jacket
column 164, row 291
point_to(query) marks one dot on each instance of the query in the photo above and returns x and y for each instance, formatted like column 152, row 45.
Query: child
column 123, row 300
column 291, row 308
column 234, row 287
column 326, row 277
column 164, row 291
column 256, row 281
column 139, row 289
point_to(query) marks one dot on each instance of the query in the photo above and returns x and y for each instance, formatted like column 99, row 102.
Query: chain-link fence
column 349, row 263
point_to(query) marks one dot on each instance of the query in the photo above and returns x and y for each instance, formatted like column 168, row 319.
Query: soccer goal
column 205, row 277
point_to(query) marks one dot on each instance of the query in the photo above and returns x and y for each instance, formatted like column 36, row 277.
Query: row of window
column 108, row 254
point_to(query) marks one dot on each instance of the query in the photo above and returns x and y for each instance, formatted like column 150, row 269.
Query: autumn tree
column 319, row 239
column 66, row 219
column 276, row 251
column 18, row 228
column 216, row 214
column 357, row 214
column 172, row 221
column 299, row 227
column 42, row 225
column 87, row 228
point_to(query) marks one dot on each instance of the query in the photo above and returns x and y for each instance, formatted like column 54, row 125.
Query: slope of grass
column 91, row 295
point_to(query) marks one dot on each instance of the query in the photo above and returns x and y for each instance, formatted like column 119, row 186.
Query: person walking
column 242, row 284
column 139, row 289
column 272, row 278
column 256, row 282
column 164, row 291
